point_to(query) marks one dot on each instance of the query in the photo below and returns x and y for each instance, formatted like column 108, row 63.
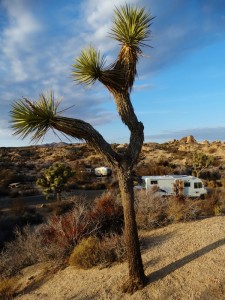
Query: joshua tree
column 54, row 179
column 198, row 162
column 131, row 30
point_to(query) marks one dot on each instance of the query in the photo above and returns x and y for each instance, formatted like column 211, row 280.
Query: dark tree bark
column 137, row 278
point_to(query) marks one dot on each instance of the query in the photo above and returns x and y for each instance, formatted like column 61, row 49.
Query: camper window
column 187, row 184
column 154, row 182
column 197, row 185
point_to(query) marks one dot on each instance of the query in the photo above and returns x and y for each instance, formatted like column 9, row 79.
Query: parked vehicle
column 103, row 171
column 175, row 185
column 15, row 185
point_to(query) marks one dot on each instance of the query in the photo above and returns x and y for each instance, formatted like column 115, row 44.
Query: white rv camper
column 175, row 185
column 103, row 171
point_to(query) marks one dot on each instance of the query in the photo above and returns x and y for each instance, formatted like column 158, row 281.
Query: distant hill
column 166, row 158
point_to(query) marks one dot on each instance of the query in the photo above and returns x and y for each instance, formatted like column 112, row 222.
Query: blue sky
column 180, row 89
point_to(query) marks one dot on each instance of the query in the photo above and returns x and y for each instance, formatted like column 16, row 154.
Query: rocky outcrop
column 188, row 140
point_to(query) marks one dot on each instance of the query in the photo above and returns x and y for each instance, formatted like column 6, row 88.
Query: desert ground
column 184, row 261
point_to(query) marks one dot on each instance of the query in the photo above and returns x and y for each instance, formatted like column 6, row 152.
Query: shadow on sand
column 183, row 261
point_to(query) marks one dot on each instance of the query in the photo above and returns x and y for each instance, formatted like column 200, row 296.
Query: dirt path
column 5, row 202
column 182, row 261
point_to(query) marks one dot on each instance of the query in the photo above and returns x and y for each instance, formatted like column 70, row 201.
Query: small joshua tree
column 198, row 162
column 54, row 179
column 131, row 30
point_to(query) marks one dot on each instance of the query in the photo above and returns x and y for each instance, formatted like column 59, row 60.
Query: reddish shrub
column 108, row 214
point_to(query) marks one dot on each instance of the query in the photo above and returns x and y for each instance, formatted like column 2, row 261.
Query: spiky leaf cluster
column 89, row 66
column 34, row 118
column 131, row 26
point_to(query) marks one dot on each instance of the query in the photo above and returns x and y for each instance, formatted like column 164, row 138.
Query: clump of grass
column 93, row 251
column 7, row 288
column 87, row 254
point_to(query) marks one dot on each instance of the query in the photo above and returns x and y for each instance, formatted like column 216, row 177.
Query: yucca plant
column 131, row 30
column 34, row 118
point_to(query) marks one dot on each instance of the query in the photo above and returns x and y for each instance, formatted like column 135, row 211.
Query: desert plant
column 151, row 210
column 54, row 179
column 183, row 209
column 87, row 254
column 113, row 248
column 107, row 212
column 7, row 288
column 92, row 251
column 199, row 161
column 131, row 30
column 25, row 250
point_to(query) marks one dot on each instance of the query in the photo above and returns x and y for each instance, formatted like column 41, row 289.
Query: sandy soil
column 182, row 261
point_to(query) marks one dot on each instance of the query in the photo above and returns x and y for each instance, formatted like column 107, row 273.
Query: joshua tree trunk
column 137, row 277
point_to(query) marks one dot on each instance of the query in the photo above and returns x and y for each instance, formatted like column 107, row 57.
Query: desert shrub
column 7, row 288
column 154, row 169
column 183, row 209
column 66, row 230
column 87, row 254
column 10, row 223
column 25, row 250
column 81, row 177
column 93, row 251
column 107, row 214
column 28, row 247
column 62, row 207
column 214, row 203
column 151, row 210
column 113, row 248
column 211, row 175
column 222, row 183
column 8, row 176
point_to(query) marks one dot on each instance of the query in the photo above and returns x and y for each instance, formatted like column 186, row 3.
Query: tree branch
column 81, row 130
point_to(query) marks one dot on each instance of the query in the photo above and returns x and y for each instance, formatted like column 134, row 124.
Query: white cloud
column 17, row 37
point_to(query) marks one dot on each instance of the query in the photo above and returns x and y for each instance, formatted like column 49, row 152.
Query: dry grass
column 182, row 261
column 154, row 211
column 93, row 251
column 56, row 238
column 7, row 288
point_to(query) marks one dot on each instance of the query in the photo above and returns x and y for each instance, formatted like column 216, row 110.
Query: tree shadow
column 149, row 242
column 183, row 261
column 36, row 281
